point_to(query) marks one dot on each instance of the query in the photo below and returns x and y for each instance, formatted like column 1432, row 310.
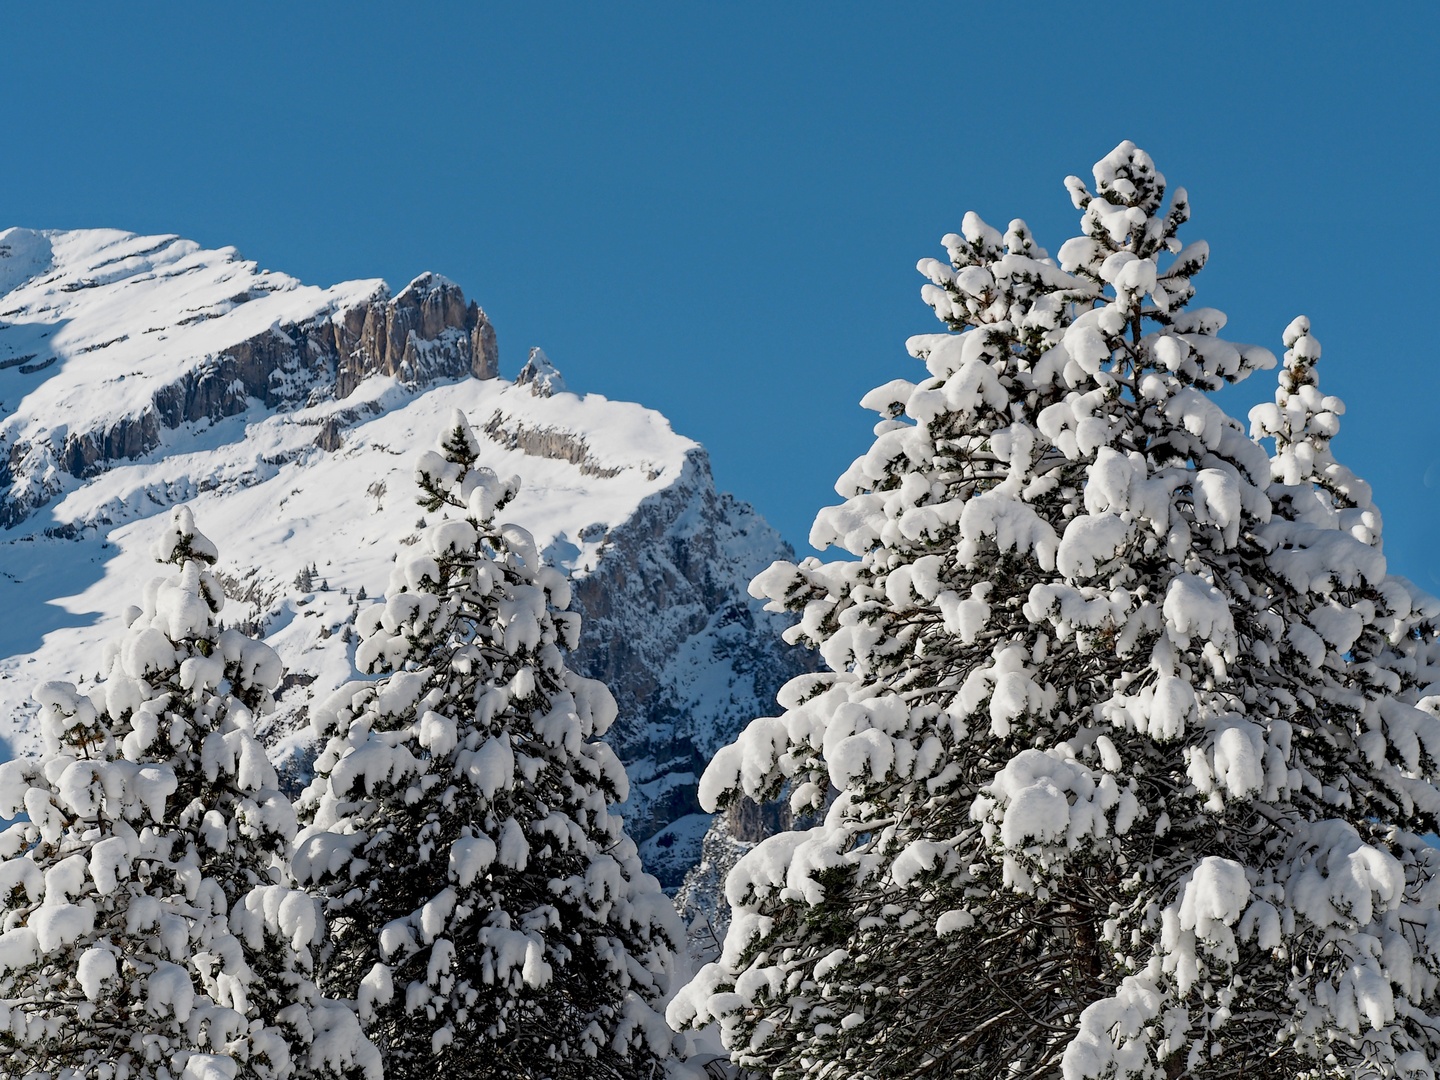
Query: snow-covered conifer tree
column 149, row 930
column 488, row 910
column 1119, row 754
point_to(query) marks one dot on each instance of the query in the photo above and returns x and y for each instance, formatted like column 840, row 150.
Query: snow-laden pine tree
column 149, row 930
column 487, row 908
column 1118, row 751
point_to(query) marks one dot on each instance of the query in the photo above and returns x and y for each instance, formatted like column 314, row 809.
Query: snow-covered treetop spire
column 1300, row 414
column 180, row 541
column 1128, row 198
column 178, row 607
column 1302, row 421
column 1126, row 230
column 448, row 475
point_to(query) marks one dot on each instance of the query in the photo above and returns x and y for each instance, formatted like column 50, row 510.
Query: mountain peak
column 427, row 282
column 111, row 341
column 543, row 377
column 142, row 372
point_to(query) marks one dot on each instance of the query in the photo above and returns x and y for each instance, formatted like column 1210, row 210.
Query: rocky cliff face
column 289, row 418
column 426, row 333
column 690, row 656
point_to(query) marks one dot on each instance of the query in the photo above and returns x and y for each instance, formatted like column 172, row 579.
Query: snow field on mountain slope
column 275, row 504
column 124, row 315
column 95, row 324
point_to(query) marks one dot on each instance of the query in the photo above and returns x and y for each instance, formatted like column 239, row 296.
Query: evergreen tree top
column 1125, row 749
column 490, row 915
column 150, row 928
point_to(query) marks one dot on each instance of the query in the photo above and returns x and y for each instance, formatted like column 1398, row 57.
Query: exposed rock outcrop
column 545, row 442
column 540, row 374
column 690, row 657
column 427, row 332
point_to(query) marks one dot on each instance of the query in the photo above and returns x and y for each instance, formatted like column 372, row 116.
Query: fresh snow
column 282, row 503
column 690, row 656
column 118, row 316
column 255, row 479
column 1154, row 801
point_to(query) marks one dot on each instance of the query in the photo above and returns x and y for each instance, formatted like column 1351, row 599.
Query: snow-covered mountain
column 137, row 372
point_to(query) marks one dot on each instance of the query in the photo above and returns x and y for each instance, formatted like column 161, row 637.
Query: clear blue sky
column 716, row 209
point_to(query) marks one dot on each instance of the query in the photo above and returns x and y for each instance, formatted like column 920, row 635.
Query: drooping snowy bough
column 149, row 926
column 1125, row 749
column 488, row 911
